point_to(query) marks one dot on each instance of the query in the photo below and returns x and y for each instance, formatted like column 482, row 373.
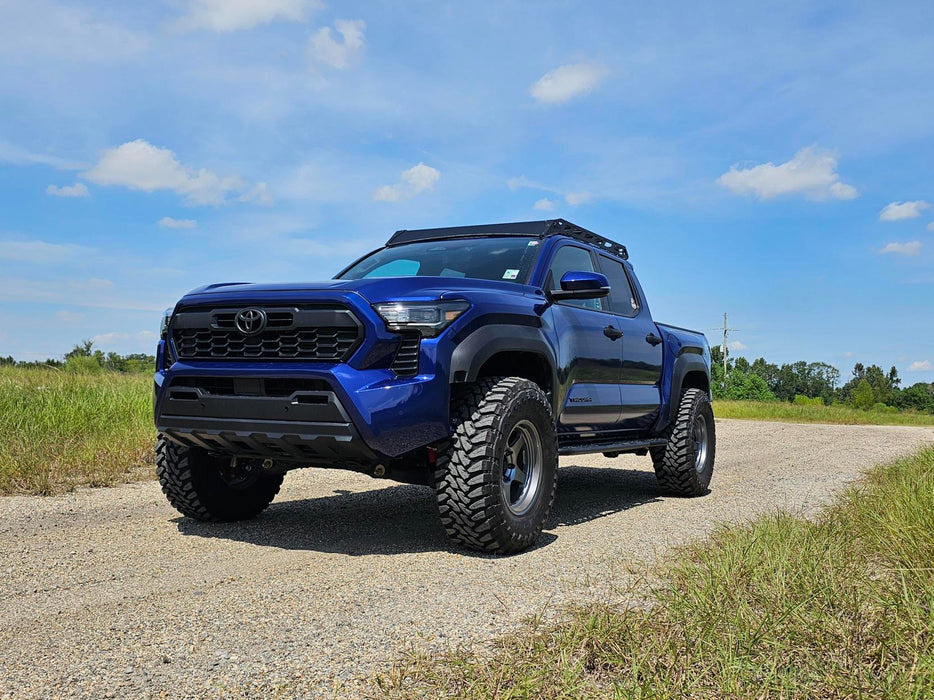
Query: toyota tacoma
column 467, row 359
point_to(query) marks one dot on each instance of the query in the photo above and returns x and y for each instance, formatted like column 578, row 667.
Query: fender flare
column 689, row 360
column 478, row 347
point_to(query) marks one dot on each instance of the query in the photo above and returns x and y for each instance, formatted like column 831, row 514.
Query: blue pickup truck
column 465, row 358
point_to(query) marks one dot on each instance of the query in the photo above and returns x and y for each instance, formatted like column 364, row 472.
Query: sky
column 768, row 160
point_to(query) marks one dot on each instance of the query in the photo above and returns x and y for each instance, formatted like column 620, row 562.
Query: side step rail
column 611, row 448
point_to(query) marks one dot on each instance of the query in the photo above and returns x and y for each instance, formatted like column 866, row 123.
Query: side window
column 572, row 259
column 622, row 298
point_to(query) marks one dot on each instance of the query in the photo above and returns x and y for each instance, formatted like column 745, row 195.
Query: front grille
column 405, row 363
column 320, row 333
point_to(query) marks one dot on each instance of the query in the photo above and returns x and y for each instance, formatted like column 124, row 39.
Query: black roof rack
column 539, row 229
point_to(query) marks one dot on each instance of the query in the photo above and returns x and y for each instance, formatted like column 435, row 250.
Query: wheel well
column 514, row 363
column 696, row 380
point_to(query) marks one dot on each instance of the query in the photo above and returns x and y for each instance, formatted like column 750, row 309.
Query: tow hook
column 379, row 471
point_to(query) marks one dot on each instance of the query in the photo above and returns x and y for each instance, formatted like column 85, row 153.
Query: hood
column 373, row 290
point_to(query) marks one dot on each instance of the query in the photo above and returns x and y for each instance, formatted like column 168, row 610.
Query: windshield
column 500, row 258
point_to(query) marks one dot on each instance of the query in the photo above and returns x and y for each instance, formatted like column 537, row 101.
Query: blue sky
column 770, row 160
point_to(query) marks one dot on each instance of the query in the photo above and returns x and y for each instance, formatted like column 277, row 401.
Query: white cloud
column 414, row 181
column 575, row 198
column 79, row 189
column 811, row 173
column 234, row 15
column 544, row 204
column 40, row 252
column 567, row 81
column 258, row 194
column 920, row 366
column 45, row 29
column 912, row 248
column 325, row 49
column 897, row 211
column 930, row 226
column 169, row 222
column 14, row 155
column 138, row 165
column 571, row 198
column 737, row 345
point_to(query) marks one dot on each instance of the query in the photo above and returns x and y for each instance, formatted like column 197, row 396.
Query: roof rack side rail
column 539, row 229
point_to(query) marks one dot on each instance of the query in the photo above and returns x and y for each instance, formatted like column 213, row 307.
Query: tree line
column 84, row 357
column 817, row 382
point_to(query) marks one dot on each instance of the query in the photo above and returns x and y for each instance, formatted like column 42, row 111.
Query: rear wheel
column 210, row 488
column 684, row 466
column 495, row 480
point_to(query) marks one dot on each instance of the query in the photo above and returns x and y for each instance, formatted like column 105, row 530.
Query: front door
column 590, row 353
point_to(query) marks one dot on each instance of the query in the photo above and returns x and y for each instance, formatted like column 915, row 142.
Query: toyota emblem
column 250, row 321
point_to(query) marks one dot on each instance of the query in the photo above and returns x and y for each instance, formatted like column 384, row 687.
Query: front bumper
column 323, row 414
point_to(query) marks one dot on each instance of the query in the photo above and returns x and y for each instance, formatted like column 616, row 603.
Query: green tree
column 863, row 396
column 747, row 387
column 917, row 397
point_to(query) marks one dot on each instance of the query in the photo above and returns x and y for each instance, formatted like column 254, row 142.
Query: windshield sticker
column 510, row 274
column 531, row 243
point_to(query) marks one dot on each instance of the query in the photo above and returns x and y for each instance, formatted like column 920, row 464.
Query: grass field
column 794, row 413
column 840, row 607
column 63, row 429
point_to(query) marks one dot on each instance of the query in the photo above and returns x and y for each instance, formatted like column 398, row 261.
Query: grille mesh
column 211, row 335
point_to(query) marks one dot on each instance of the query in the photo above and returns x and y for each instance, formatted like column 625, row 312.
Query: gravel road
column 110, row 593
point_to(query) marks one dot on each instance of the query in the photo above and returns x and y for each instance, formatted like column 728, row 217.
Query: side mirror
column 581, row 285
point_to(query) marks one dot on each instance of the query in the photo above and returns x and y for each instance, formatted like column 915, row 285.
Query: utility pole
column 723, row 347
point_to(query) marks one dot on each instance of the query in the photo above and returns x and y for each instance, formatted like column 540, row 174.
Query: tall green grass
column 799, row 413
column 63, row 429
column 840, row 607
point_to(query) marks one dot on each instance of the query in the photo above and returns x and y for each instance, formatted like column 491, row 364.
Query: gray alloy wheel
column 495, row 478
column 522, row 468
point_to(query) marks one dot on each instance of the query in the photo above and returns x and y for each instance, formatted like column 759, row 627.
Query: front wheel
column 205, row 487
column 495, row 480
column 684, row 466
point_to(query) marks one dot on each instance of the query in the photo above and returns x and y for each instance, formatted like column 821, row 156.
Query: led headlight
column 164, row 326
column 430, row 317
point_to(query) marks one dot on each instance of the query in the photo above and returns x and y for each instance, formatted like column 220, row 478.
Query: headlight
column 428, row 317
column 164, row 326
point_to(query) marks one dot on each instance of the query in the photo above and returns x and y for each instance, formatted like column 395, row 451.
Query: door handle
column 652, row 339
column 612, row 333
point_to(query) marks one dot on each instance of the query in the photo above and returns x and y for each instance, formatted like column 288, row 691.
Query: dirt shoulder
column 109, row 591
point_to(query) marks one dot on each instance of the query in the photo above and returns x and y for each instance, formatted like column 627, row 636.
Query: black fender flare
column 478, row 347
column 689, row 360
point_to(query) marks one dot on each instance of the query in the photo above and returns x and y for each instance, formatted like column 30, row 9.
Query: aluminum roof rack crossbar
column 539, row 229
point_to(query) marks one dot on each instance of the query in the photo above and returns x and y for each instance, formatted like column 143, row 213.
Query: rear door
column 589, row 345
column 641, row 370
